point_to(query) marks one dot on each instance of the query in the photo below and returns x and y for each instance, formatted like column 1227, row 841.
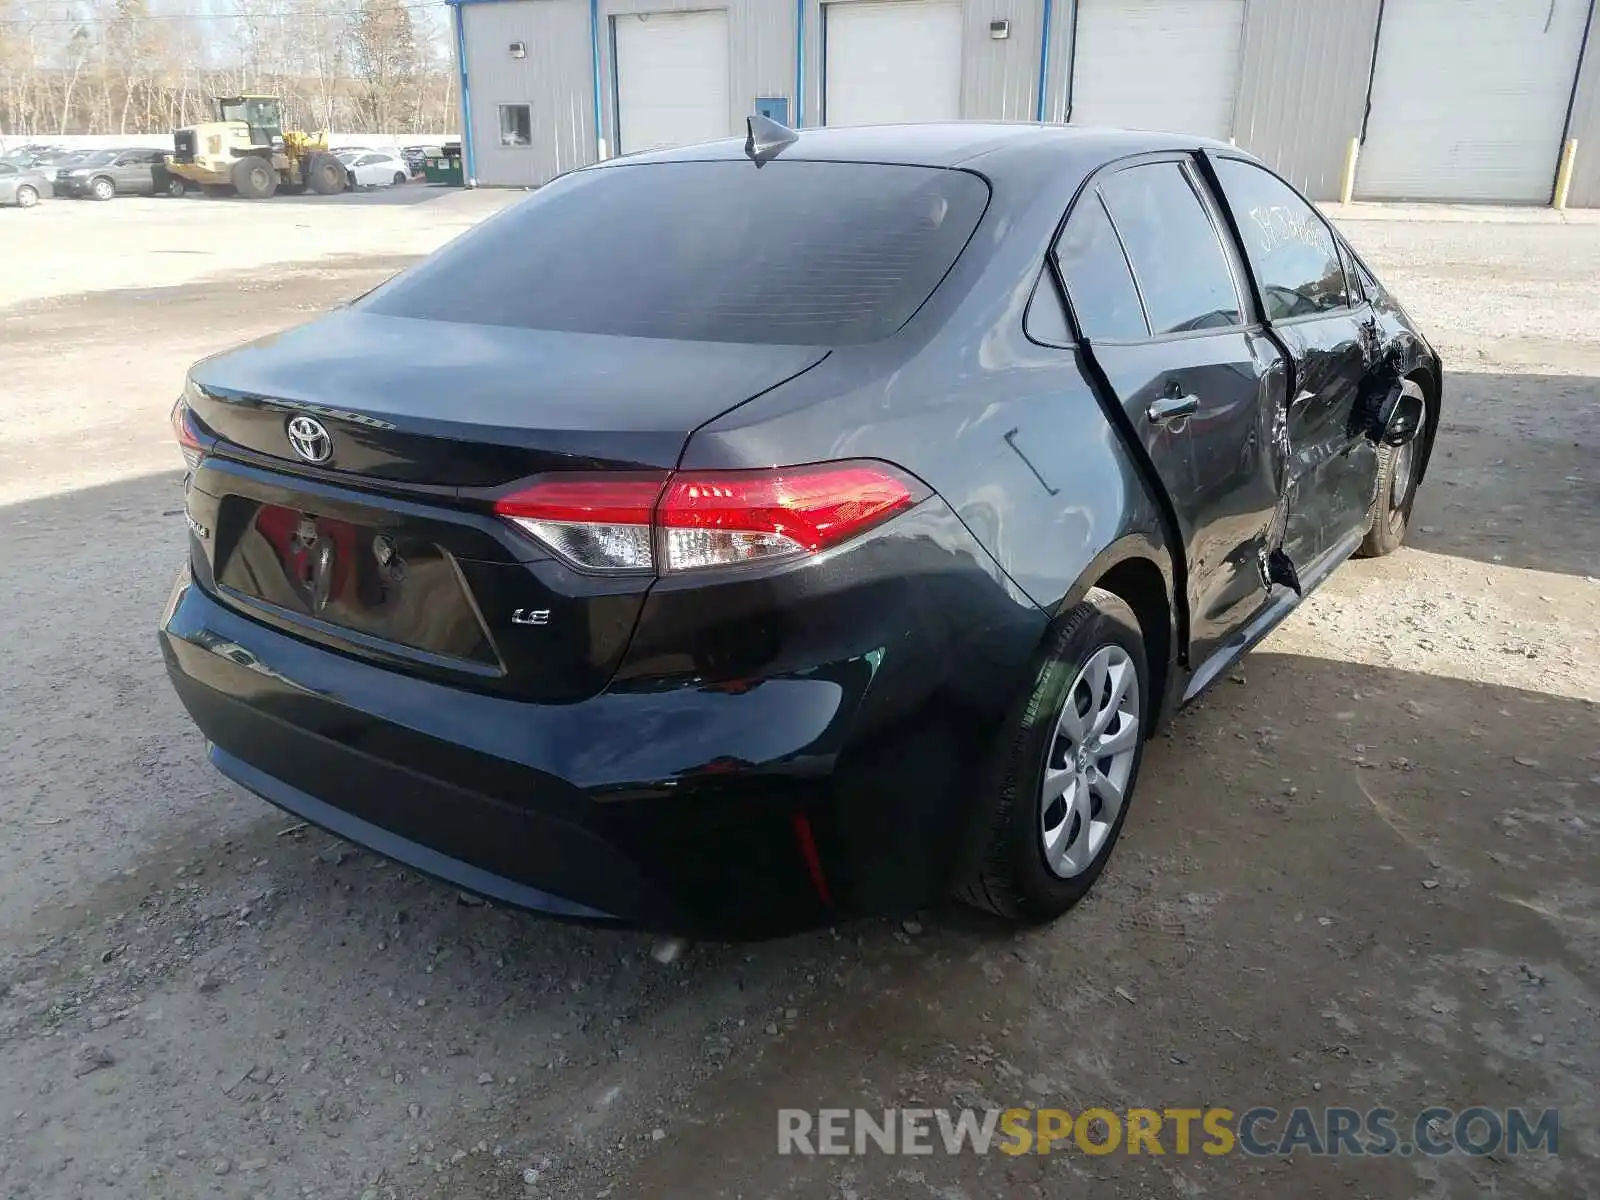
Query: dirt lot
column 1363, row 871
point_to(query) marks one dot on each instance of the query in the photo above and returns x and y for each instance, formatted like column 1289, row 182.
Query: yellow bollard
column 1569, row 153
column 1347, row 185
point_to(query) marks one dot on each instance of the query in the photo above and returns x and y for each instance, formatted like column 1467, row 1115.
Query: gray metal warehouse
column 1449, row 100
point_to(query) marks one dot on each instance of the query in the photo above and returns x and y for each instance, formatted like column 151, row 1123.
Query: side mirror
column 1401, row 416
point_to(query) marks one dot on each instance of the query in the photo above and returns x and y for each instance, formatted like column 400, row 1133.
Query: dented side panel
column 1332, row 467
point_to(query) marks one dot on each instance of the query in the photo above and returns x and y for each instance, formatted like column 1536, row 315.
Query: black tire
column 254, row 178
column 399, row 178
column 324, row 174
column 176, row 186
column 1389, row 514
column 102, row 188
column 1006, row 872
column 1390, row 511
column 27, row 196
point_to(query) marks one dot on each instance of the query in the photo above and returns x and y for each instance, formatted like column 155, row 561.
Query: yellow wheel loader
column 246, row 150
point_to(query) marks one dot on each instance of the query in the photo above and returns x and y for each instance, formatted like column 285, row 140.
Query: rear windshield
column 792, row 253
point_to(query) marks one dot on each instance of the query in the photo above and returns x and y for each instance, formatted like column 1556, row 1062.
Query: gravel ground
column 1362, row 871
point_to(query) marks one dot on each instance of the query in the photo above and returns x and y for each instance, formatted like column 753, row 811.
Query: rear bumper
column 667, row 803
column 582, row 811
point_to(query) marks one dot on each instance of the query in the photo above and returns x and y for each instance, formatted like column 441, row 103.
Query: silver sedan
column 23, row 186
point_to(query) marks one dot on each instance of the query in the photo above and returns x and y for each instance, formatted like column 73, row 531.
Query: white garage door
column 891, row 62
column 672, row 78
column 1468, row 99
column 1171, row 65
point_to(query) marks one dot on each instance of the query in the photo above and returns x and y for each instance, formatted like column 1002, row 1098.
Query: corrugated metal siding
column 760, row 53
column 553, row 80
column 1303, row 90
column 1585, row 124
column 999, row 79
column 1302, row 87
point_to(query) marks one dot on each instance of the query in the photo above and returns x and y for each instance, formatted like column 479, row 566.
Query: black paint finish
column 649, row 752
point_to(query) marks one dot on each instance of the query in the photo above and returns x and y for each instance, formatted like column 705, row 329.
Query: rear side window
column 1352, row 278
column 1098, row 280
column 795, row 253
column 1182, row 272
column 1291, row 250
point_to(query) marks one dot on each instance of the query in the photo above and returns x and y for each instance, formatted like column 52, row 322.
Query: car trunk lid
column 448, row 405
column 386, row 547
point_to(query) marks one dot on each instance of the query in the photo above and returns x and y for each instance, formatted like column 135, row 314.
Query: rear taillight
column 692, row 520
column 188, row 440
column 599, row 523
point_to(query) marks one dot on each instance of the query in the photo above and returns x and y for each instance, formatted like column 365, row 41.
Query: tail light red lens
column 599, row 523
column 188, row 441
column 694, row 520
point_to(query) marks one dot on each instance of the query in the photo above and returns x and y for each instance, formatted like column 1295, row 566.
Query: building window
column 516, row 125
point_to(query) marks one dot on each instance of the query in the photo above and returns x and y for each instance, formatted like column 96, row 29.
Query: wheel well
column 1426, row 380
column 1139, row 583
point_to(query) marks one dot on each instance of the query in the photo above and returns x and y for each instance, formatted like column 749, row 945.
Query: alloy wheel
column 1090, row 761
column 1405, row 458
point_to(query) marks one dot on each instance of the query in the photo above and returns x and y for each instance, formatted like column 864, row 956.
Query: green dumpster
column 445, row 168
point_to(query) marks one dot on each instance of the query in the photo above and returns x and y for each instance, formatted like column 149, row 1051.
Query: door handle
column 1172, row 408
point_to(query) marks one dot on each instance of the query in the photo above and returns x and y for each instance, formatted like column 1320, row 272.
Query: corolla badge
column 310, row 439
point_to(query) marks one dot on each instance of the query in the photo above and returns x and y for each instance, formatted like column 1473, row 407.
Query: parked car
column 33, row 153
column 67, row 158
column 417, row 157
column 107, row 173
column 377, row 168
column 23, row 187
column 843, row 558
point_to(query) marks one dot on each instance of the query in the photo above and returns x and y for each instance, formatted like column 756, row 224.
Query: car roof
column 945, row 144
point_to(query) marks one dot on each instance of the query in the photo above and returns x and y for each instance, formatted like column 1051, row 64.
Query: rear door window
column 796, row 253
column 1352, row 277
column 1098, row 280
column 1291, row 248
column 1178, row 261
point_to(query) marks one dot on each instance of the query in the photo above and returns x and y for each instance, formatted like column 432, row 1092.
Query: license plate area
column 376, row 580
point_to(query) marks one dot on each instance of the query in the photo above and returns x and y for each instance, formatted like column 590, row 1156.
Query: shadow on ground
column 1339, row 884
column 1513, row 479
column 1417, row 924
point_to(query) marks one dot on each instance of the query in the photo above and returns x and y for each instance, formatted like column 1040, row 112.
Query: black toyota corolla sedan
column 741, row 537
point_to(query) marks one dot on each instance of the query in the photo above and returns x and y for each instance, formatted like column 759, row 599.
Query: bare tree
column 79, row 47
column 384, row 56
column 136, row 67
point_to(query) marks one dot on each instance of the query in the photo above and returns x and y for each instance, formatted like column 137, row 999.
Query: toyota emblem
column 310, row 439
